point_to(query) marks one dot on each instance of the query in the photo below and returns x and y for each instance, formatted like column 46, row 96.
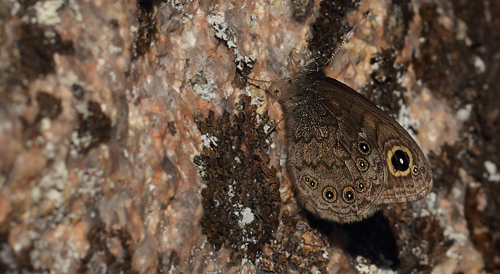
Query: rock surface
column 131, row 141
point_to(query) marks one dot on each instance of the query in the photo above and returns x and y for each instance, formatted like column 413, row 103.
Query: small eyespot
column 415, row 170
column 364, row 148
column 362, row 164
column 360, row 186
column 329, row 194
column 310, row 182
column 348, row 195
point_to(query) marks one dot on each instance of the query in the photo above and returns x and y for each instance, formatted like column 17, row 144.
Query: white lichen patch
column 479, row 64
column 405, row 120
column 247, row 217
column 91, row 180
column 463, row 114
column 64, row 259
column 76, row 9
column 255, row 101
column 459, row 238
column 209, row 140
column 493, row 174
column 200, row 167
column 49, row 191
column 223, row 32
column 243, row 59
column 205, row 90
column 253, row 21
column 362, row 267
column 46, row 12
column 230, row 192
column 220, row 27
column 114, row 49
column 430, row 203
column 79, row 142
column 45, row 124
column 177, row 4
column 5, row 125
column 266, row 128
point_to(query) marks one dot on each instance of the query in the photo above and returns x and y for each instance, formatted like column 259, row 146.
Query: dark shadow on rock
column 371, row 238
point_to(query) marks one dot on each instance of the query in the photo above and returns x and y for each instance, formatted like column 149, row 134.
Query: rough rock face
column 132, row 141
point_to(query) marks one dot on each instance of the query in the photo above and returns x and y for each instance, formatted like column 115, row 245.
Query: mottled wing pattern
column 345, row 155
column 407, row 171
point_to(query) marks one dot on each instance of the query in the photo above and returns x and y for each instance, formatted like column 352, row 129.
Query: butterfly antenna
column 348, row 36
column 272, row 129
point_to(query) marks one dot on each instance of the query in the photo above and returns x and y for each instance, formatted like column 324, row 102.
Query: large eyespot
column 364, row 148
column 329, row 194
column 399, row 160
column 361, row 186
column 348, row 195
column 415, row 170
column 362, row 164
column 310, row 182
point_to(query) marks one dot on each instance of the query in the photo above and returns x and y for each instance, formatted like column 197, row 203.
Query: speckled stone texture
column 131, row 140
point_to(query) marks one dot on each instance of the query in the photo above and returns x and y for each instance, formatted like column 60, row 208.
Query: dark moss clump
column 297, row 247
column 301, row 9
column 385, row 89
column 94, row 126
column 447, row 165
column 99, row 258
column 483, row 223
column 36, row 51
column 241, row 200
column 396, row 29
column 421, row 243
column 148, row 26
column 447, row 66
column 49, row 106
column 330, row 27
column 78, row 92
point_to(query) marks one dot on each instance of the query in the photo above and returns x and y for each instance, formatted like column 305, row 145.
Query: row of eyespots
column 399, row 160
column 362, row 165
column 365, row 149
column 348, row 194
column 330, row 194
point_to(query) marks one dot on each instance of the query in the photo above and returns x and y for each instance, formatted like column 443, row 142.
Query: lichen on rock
column 241, row 199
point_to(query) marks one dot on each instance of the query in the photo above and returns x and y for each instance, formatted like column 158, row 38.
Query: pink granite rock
column 132, row 141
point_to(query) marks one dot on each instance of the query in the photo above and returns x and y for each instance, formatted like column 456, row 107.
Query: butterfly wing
column 345, row 155
column 408, row 176
column 336, row 169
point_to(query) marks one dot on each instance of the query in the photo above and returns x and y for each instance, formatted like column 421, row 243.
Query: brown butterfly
column 345, row 155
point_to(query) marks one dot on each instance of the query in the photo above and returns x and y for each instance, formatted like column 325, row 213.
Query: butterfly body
column 347, row 157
